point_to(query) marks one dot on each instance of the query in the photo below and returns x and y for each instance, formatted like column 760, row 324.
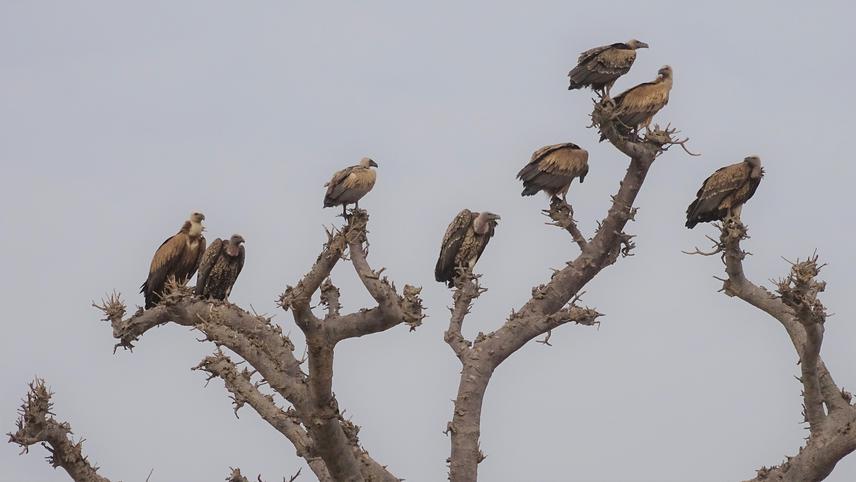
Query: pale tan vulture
column 221, row 264
column 463, row 244
column 552, row 169
column 722, row 195
column 636, row 106
column 600, row 67
column 178, row 257
column 350, row 184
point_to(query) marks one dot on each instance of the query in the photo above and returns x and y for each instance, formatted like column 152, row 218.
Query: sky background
column 118, row 119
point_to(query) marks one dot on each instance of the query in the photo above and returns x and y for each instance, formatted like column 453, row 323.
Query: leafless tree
column 329, row 443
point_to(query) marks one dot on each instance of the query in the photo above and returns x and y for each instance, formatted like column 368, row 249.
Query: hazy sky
column 119, row 119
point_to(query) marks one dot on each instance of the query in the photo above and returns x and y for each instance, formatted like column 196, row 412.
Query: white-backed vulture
column 636, row 106
column 350, row 184
column 463, row 244
column 553, row 168
column 600, row 67
column 178, row 257
column 221, row 264
column 722, row 195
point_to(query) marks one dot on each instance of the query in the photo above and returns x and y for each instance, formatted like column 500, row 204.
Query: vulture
column 636, row 106
column 552, row 169
column 463, row 244
column 221, row 264
column 350, row 184
column 722, row 195
column 600, row 67
column 178, row 257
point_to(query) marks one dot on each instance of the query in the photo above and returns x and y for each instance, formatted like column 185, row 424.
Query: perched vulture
column 636, row 106
column 221, row 264
column 722, row 195
column 178, row 257
column 552, row 169
column 463, row 244
column 350, row 184
column 600, row 67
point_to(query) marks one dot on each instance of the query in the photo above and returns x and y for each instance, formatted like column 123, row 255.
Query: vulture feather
column 221, row 264
column 553, row 168
column 463, row 244
column 350, row 184
column 636, row 106
column 178, row 257
column 600, row 67
column 723, row 194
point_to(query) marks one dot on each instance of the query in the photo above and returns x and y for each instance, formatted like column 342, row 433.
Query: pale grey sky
column 118, row 119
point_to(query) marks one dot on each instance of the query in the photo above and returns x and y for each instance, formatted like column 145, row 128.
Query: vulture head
column 484, row 221
column 636, row 44
column 755, row 163
column 233, row 249
column 665, row 72
column 366, row 162
column 196, row 226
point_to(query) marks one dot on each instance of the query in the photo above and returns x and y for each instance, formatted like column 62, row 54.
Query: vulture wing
column 641, row 102
column 209, row 259
column 452, row 240
column 334, row 187
column 165, row 262
column 591, row 53
column 552, row 168
column 723, row 182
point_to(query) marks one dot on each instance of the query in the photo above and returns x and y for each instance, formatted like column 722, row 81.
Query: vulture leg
column 344, row 210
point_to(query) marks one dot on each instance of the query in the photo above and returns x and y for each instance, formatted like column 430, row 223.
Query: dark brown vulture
column 221, row 264
column 600, row 67
column 350, row 184
column 463, row 244
column 552, row 169
column 722, row 195
column 636, row 106
column 178, row 257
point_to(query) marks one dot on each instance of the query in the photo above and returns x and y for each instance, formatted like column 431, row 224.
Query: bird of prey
column 552, row 169
column 221, row 264
column 723, row 194
column 178, row 257
column 350, row 184
column 636, row 106
column 463, row 244
column 600, row 67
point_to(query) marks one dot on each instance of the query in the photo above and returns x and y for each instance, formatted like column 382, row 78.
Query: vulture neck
column 481, row 225
column 232, row 249
column 195, row 229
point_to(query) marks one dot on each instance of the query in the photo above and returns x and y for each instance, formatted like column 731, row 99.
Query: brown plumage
column 178, row 257
column 600, row 67
column 350, row 184
column 553, row 168
column 463, row 244
column 636, row 106
column 722, row 194
column 221, row 264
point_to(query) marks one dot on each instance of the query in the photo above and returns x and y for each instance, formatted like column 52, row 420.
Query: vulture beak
column 497, row 217
column 641, row 45
column 372, row 163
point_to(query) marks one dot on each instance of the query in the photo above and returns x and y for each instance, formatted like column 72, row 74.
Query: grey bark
column 795, row 304
column 552, row 304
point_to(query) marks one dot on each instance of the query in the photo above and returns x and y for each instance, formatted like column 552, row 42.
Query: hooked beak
column 641, row 45
column 372, row 163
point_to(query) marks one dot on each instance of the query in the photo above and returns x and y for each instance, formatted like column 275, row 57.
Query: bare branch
column 796, row 306
column 562, row 215
column 467, row 289
column 286, row 422
column 37, row 425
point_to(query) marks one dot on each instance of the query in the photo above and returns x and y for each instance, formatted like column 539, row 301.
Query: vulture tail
column 530, row 190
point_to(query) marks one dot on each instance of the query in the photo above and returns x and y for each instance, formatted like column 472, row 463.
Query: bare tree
column 295, row 395
column 827, row 408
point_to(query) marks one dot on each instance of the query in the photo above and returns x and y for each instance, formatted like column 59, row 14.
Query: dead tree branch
column 795, row 304
column 552, row 304
column 37, row 425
